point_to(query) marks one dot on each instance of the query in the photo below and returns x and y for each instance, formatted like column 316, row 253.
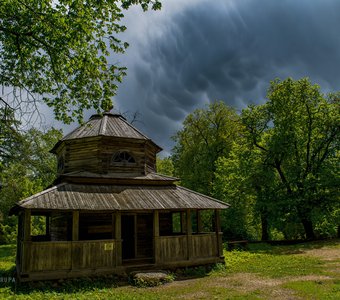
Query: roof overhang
column 71, row 196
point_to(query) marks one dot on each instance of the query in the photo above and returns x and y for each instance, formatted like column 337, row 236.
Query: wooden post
column 189, row 234
column 75, row 225
column 26, row 249
column 199, row 221
column 118, row 237
column 156, row 244
column 27, row 225
column 218, row 235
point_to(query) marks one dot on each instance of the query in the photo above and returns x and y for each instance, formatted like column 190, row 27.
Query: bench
column 240, row 245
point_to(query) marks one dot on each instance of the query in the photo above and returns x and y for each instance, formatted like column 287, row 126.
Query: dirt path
column 245, row 283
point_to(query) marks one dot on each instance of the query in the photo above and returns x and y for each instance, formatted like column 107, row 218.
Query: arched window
column 123, row 157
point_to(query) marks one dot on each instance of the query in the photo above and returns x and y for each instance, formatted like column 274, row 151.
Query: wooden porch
column 41, row 260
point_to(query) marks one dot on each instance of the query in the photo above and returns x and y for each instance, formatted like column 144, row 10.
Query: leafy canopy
column 60, row 49
column 296, row 133
column 207, row 134
column 30, row 168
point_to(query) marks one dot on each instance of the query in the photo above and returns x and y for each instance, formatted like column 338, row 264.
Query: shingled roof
column 68, row 196
column 107, row 124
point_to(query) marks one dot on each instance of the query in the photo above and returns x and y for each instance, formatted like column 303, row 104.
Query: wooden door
column 144, row 239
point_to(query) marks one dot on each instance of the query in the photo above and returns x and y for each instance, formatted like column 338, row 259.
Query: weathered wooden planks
column 172, row 248
column 73, row 255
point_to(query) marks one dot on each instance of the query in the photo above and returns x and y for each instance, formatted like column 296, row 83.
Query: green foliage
column 233, row 184
column 27, row 170
column 207, row 134
column 8, row 233
column 152, row 281
column 165, row 166
column 296, row 136
column 38, row 225
column 60, row 50
column 7, row 259
column 277, row 164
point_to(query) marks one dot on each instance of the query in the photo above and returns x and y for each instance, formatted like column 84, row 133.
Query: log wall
column 95, row 155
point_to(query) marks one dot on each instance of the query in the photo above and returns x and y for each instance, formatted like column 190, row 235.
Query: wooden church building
column 110, row 212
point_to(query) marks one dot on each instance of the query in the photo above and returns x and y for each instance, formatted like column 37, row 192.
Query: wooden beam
column 26, row 249
column 189, row 234
column 27, row 225
column 218, row 235
column 75, row 225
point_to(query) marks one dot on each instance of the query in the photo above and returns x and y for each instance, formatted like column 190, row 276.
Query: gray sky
column 196, row 51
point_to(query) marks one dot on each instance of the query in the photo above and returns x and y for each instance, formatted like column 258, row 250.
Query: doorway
column 128, row 236
column 137, row 236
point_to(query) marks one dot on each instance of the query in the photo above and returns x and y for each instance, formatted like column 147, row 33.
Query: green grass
column 261, row 272
column 272, row 265
column 7, row 259
column 316, row 289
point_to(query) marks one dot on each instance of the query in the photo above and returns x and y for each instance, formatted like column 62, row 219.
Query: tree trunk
column 308, row 226
column 264, row 225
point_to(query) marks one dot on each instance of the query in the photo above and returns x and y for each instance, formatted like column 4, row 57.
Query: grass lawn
column 304, row 271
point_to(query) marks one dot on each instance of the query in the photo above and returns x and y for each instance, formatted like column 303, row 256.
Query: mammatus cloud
column 188, row 55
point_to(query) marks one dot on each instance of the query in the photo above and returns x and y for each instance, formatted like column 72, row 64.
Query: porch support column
column 27, row 225
column 156, row 243
column 118, row 237
column 75, row 225
column 218, row 233
column 26, row 249
column 189, row 234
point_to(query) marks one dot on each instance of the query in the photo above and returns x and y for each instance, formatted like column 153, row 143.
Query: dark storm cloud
column 230, row 50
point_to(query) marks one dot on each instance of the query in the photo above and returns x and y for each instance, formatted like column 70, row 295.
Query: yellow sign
column 108, row 246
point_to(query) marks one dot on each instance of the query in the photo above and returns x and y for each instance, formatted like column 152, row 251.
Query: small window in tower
column 123, row 157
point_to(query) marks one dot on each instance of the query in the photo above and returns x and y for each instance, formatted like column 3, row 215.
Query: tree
column 60, row 49
column 29, row 169
column 297, row 134
column 165, row 166
column 233, row 185
column 9, row 135
column 207, row 134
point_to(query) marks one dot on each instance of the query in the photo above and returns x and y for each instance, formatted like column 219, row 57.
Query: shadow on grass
column 70, row 286
column 86, row 284
column 290, row 247
column 195, row 272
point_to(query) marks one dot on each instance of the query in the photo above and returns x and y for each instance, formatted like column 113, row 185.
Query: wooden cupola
column 106, row 145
